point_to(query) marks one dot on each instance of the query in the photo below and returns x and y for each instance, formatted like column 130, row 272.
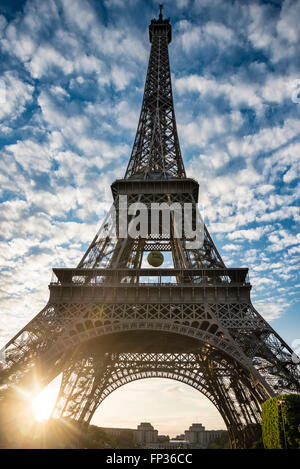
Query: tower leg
column 82, row 382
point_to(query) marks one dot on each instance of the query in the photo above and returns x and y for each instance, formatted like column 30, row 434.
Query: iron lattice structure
column 156, row 147
column 111, row 321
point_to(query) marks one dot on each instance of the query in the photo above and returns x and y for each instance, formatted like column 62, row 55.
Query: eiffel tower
column 111, row 320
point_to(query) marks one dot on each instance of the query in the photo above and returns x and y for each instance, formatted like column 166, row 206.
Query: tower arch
column 207, row 308
column 221, row 381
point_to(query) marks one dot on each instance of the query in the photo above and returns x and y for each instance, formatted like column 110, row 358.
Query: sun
column 43, row 404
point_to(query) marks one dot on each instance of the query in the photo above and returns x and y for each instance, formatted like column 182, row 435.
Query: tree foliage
column 281, row 422
column 222, row 442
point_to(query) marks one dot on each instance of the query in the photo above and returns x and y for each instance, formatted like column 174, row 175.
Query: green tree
column 281, row 422
column 222, row 442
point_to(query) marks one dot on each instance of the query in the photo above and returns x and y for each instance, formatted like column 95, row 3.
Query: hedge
column 281, row 422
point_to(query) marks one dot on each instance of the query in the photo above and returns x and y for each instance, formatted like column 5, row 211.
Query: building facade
column 195, row 437
column 198, row 437
column 145, row 434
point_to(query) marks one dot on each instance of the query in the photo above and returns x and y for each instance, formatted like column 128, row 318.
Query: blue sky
column 71, row 82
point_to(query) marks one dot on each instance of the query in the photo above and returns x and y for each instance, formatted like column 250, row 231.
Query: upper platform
column 160, row 27
column 139, row 286
column 204, row 277
column 155, row 186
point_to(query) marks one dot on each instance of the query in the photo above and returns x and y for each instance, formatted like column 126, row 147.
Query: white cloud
column 231, row 247
column 18, row 94
column 282, row 239
column 294, row 250
column 3, row 24
column 32, row 156
column 234, row 89
column 275, row 140
column 260, row 33
column 290, row 212
column 277, row 36
column 200, row 131
column 288, row 25
column 127, row 116
column 277, row 88
column 212, row 33
column 45, row 58
column 270, row 309
column 252, row 234
column 121, row 77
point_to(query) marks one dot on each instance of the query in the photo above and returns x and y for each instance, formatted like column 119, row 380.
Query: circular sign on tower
column 155, row 258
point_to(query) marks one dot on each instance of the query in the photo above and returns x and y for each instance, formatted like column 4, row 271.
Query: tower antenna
column 160, row 12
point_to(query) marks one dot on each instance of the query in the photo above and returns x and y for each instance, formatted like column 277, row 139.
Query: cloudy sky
column 71, row 82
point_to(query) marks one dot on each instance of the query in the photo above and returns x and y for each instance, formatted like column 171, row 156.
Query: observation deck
column 150, row 285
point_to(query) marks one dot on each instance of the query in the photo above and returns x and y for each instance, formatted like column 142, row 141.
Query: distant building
column 163, row 438
column 179, row 437
column 199, row 437
column 145, row 434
